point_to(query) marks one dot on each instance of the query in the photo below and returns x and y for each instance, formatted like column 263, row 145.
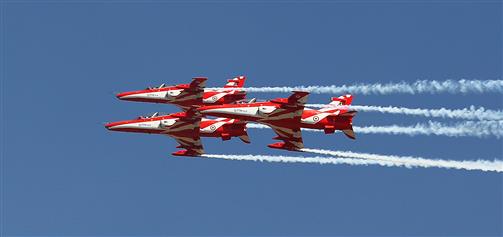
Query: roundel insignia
column 213, row 127
column 214, row 98
column 316, row 118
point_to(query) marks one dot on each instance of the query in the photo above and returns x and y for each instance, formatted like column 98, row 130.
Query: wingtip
column 190, row 153
column 283, row 146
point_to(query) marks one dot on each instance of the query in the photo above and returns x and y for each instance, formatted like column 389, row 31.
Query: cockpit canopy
column 253, row 100
column 153, row 87
column 156, row 114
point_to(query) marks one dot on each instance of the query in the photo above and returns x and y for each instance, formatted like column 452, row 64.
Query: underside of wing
column 186, row 132
column 192, row 146
column 291, row 137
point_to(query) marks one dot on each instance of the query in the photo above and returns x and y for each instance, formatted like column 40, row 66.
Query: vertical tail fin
column 342, row 100
column 236, row 82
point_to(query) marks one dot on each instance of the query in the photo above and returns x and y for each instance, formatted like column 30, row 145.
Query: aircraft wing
column 198, row 83
column 192, row 94
column 186, row 132
column 285, row 121
column 192, row 146
column 291, row 137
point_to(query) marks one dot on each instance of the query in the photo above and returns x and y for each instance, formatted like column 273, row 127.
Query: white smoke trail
column 468, row 128
column 471, row 113
column 383, row 161
column 410, row 161
column 422, row 86
column 298, row 159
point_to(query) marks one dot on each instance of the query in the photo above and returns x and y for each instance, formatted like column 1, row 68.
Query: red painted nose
column 120, row 95
column 110, row 126
column 107, row 126
column 123, row 95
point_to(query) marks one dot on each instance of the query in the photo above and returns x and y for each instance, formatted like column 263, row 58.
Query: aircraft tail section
column 342, row 100
column 236, row 82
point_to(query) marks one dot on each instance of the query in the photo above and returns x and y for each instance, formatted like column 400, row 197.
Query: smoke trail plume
column 468, row 128
column 297, row 159
column 418, row 87
column 471, row 113
column 479, row 129
column 410, row 161
column 386, row 161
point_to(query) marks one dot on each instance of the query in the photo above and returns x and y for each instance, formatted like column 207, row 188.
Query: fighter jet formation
column 231, row 112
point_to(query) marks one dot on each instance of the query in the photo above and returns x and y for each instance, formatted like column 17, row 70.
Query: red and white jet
column 335, row 116
column 283, row 115
column 187, row 95
column 186, row 128
column 287, row 115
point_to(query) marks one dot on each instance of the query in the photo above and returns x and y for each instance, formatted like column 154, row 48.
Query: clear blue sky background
column 64, row 174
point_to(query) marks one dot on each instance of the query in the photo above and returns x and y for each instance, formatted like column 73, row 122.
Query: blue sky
column 64, row 174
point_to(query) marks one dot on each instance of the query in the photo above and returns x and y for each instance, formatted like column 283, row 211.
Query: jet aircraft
column 186, row 128
column 187, row 95
column 287, row 115
column 282, row 115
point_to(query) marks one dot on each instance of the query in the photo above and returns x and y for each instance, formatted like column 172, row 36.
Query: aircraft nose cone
column 120, row 95
column 130, row 95
column 110, row 126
